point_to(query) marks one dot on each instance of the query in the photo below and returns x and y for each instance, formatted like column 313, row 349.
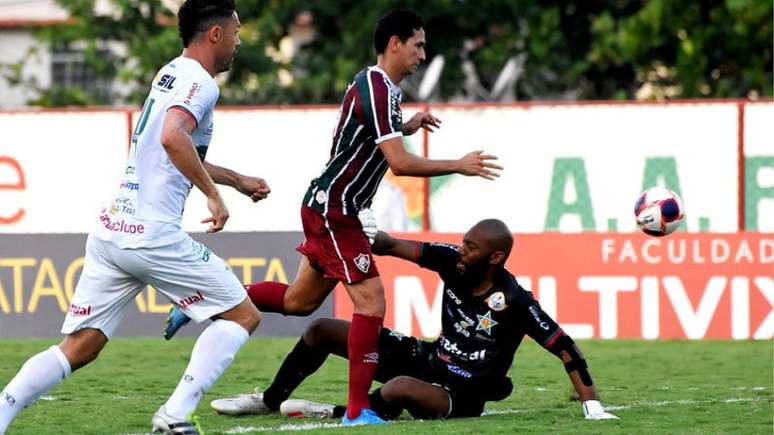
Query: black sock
column 338, row 411
column 382, row 408
column 301, row 362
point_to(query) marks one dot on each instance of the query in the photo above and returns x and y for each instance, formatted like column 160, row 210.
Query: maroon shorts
column 335, row 245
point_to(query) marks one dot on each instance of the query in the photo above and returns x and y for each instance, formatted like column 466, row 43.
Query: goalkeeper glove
column 368, row 221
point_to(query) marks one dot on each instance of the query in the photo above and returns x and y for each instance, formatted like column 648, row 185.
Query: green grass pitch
column 655, row 387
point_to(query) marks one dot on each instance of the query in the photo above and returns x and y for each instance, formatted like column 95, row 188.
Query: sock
column 268, row 296
column 363, row 343
column 302, row 361
column 212, row 354
column 339, row 411
column 384, row 409
column 39, row 374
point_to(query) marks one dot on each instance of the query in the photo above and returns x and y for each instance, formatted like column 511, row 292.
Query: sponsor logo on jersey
column 465, row 316
column 130, row 186
column 497, row 301
column 461, row 328
column 194, row 89
column 120, row 226
column 397, row 113
column 195, row 299
column 122, row 205
column 76, row 310
column 448, row 348
column 445, row 245
column 459, row 371
column 486, row 323
column 536, row 316
column 363, row 262
column 166, row 81
column 453, row 297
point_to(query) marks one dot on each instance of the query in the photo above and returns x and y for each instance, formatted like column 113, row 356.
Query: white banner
column 759, row 155
column 568, row 168
column 580, row 168
column 58, row 168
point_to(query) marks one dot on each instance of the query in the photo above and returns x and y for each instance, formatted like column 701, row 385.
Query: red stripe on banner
column 685, row 285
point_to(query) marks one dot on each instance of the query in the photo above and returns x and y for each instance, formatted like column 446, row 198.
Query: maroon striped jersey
column 369, row 115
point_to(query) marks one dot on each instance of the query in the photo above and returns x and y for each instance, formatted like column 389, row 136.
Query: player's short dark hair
column 397, row 22
column 498, row 233
column 197, row 16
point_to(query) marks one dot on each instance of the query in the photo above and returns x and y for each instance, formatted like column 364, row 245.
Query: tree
column 610, row 49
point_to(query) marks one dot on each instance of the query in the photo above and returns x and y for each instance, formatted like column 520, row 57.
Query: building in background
column 29, row 65
column 19, row 21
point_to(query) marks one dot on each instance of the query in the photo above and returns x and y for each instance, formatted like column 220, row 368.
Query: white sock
column 39, row 374
column 212, row 354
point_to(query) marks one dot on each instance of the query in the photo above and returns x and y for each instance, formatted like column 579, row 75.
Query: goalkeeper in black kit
column 485, row 315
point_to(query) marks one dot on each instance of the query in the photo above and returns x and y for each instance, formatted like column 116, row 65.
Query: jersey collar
column 395, row 88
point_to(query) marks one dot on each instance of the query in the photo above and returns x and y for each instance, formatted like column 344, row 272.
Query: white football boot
column 305, row 409
column 243, row 404
column 166, row 424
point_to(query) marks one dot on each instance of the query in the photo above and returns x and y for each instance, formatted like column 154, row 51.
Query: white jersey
column 148, row 208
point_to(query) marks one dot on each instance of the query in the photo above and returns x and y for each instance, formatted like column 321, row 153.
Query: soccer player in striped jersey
column 367, row 140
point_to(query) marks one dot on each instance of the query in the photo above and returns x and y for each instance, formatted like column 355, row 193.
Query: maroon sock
column 363, row 343
column 268, row 296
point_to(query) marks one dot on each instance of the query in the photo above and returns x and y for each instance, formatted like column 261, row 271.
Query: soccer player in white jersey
column 138, row 239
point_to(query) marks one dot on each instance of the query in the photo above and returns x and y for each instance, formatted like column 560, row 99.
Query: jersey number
column 138, row 129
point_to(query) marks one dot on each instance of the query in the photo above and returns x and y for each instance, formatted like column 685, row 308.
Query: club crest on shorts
column 363, row 262
column 320, row 196
column 497, row 301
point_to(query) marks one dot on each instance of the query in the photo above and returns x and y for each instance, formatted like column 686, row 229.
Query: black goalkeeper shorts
column 401, row 355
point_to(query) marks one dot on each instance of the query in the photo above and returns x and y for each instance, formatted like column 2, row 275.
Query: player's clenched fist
column 254, row 187
column 477, row 163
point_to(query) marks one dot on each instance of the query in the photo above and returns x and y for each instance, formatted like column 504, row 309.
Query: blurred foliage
column 605, row 49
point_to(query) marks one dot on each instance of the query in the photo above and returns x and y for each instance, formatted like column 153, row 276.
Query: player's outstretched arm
column 544, row 330
column 254, row 187
column 385, row 244
column 177, row 142
column 575, row 364
column 581, row 380
column 404, row 163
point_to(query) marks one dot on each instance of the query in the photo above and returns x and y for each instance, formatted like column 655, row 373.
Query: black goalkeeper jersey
column 480, row 334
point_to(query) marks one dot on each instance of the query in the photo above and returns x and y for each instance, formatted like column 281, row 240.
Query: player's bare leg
column 421, row 399
column 308, row 291
column 47, row 369
column 302, row 297
column 82, row 347
column 362, row 343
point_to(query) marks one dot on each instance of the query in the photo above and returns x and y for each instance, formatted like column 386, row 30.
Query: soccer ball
column 658, row 211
